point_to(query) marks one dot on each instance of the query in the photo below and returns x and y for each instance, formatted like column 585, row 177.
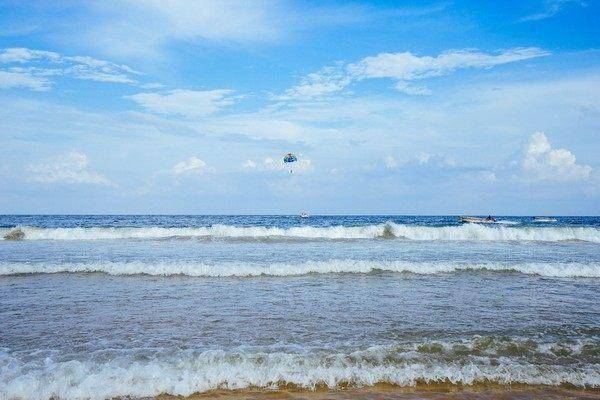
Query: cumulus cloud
column 542, row 161
column 70, row 168
column 271, row 164
column 32, row 68
column 403, row 68
column 189, row 103
column 192, row 165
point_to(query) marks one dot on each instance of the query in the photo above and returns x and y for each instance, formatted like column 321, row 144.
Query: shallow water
column 145, row 305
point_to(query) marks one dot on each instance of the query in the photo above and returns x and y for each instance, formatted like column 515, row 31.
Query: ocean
column 140, row 306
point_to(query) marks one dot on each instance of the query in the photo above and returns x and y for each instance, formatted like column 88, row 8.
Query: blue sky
column 446, row 107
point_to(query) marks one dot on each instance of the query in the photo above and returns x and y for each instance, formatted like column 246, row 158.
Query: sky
column 392, row 107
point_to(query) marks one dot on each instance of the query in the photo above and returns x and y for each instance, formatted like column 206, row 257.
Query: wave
column 465, row 232
column 507, row 222
column 185, row 372
column 560, row 270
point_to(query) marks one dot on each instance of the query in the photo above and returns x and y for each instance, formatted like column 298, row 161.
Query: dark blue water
column 284, row 221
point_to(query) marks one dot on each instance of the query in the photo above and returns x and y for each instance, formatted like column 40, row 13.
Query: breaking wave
column 110, row 374
column 561, row 270
column 466, row 232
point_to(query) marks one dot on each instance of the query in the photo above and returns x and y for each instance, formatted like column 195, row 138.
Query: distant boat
column 478, row 220
column 544, row 219
column 304, row 215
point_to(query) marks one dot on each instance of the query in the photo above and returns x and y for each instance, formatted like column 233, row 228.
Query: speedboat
column 544, row 219
column 304, row 215
column 477, row 220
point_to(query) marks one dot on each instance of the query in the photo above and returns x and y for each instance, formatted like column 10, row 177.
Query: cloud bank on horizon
column 143, row 107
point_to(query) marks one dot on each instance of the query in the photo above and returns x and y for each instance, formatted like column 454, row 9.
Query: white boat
column 544, row 219
column 304, row 215
column 478, row 220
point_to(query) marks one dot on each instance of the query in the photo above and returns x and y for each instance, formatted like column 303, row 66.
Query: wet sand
column 388, row 392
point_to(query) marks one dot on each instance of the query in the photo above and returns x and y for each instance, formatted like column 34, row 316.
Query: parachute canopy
column 289, row 158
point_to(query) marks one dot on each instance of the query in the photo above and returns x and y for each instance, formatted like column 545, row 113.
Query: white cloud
column 405, row 88
column 546, row 163
column 85, row 67
column 192, row 165
column 402, row 67
column 249, row 164
column 407, row 66
column 41, row 64
column 441, row 161
column 22, row 55
column 318, row 84
column 552, row 7
column 391, row 163
column 143, row 27
column 271, row 164
column 189, row 103
column 268, row 164
column 152, row 85
column 70, row 168
column 423, row 158
column 154, row 28
column 13, row 79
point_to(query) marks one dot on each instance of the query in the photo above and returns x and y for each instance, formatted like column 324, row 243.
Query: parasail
column 290, row 158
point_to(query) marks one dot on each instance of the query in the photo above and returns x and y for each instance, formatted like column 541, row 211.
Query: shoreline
column 391, row 392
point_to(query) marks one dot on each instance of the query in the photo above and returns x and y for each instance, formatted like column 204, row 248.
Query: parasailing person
column 290, row 158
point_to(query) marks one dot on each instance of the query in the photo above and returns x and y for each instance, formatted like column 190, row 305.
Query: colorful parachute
column 289, row 158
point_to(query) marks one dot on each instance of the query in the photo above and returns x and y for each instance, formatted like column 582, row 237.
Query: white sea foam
column 187, row 372
column 563, row 270
column 465, row 232
column 507, row 222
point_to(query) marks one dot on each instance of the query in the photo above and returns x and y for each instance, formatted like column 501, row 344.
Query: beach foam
column 187, row 372
column 563, row 270
column 465, row 232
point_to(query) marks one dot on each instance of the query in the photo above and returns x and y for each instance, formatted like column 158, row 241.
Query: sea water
column 106, row 306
